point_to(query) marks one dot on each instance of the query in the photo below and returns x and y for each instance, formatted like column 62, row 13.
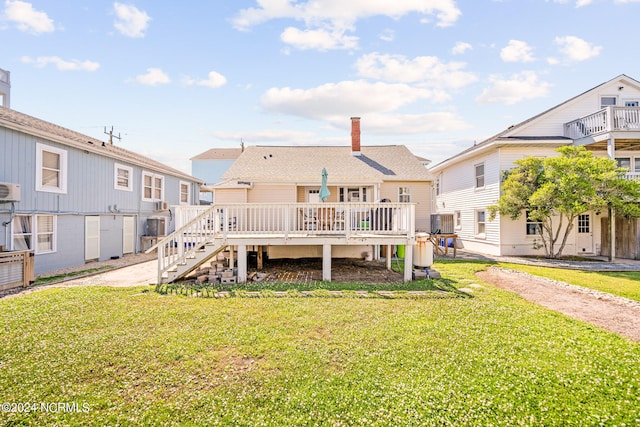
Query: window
column 608, row 101
column 534, row 227
column 404, row 195
column 184, row 193
column 123, row 177
column 353, row 194
column 152, row 187
column 37, row 233
column 636, row 164
column 624, row 162
column 457, row 220
column 51, row 169
column 22, row 233
column 481, row 223
column 479, row 175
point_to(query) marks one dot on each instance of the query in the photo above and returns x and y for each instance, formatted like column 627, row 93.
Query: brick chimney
column 355, row 136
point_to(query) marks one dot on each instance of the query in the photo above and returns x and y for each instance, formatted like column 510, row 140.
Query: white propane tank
column 423, row 251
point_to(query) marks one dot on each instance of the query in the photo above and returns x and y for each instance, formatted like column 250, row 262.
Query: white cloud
column 266, row 136
column 61, row 64
column 428, row 70
column 411, row 124
column 154, row 77
column 460, row 48
column 518, row 87
column 387, row 35
column 131, row 21
column 320, row 39
column 27, row 18
column 214, row 80
column 339, row 100
column 340, row 13
column 517, row 51
column 576, row 49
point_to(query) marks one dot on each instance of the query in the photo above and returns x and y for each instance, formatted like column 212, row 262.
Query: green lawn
column 131, row 356
column 624, row 284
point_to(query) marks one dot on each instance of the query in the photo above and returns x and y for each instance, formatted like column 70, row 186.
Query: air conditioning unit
column 9, row 192
column 162, row 206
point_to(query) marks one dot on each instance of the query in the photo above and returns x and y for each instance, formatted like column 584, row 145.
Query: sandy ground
column 616, row 314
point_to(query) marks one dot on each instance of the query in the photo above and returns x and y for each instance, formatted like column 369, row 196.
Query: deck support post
column 387, row 259
column 408, row 263
column 242, row 263
column 326, row 262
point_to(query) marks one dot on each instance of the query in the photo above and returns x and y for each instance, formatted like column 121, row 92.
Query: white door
column 313, row 196
column 91, row 237
column 128, row 235
column 584, row 235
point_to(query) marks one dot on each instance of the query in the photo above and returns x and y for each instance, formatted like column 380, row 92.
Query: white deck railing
column 606, row 120
column 198, row 225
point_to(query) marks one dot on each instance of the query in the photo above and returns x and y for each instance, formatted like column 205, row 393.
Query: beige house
column 269, row 202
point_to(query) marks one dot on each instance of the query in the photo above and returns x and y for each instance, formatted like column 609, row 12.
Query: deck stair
column 193, row 244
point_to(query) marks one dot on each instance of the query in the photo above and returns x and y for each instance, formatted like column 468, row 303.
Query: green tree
column 555, row 190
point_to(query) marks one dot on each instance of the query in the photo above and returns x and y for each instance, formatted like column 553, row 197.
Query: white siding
column 272, row 193
column 458, row 193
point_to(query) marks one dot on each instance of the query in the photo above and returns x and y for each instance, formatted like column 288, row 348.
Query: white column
column 242, row 263
column 408, row 262
column 388, row 257
column 326, row 262
column 611, row 152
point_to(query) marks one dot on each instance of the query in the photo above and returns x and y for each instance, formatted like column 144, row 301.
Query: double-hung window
column 184, row 193
column 533, row 226
column 34, row 232
column 51, row 169
column 479, row 175
column 152, row 187
column 404, row 195
column 123, row 177
column 481, row 220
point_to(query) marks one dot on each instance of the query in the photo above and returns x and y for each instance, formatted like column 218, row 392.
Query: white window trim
column 35, row 233
column 62, row 187
column 478, row 234
column 457, row 220
column 129, row 187
column 401, row 193
column 153, row 177
column 475, row 176
column 188, row 202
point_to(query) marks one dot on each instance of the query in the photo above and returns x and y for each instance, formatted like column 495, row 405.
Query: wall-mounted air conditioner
column 156, row 226
column 162, row 206
column 9, row 192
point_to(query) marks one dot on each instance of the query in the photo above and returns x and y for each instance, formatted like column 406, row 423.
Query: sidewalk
column 592, row 263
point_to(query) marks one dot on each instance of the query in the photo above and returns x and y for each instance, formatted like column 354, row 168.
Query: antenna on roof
column 111, row 135
column 241, row 145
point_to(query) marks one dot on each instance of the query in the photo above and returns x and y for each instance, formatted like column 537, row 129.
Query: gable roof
column 219, row 154
column 303, row 164
column 12, row 119
column 510, row 135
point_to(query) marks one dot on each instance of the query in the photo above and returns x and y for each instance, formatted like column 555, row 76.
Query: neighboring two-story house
column 605, row 119
column 72, row 198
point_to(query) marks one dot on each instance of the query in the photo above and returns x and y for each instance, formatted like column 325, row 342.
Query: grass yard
column 130, row 356
column 624, row 284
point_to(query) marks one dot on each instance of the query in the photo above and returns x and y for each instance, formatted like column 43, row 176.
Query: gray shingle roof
column 303, row 164
column 18, row 121
column 219, row 154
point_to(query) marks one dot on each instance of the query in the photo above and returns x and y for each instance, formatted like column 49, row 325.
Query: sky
column 176, row 78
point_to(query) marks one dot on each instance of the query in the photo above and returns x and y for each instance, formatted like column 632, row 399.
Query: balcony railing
column 606, row 120
column 299, row 218
column 631, row 176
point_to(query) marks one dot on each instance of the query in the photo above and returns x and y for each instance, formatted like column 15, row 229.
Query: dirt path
column 607, row 311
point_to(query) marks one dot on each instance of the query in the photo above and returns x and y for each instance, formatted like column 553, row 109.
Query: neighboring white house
column 605, row 119
column 71, row 198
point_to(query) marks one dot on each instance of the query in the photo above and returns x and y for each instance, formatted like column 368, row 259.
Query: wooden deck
column 202, row 232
